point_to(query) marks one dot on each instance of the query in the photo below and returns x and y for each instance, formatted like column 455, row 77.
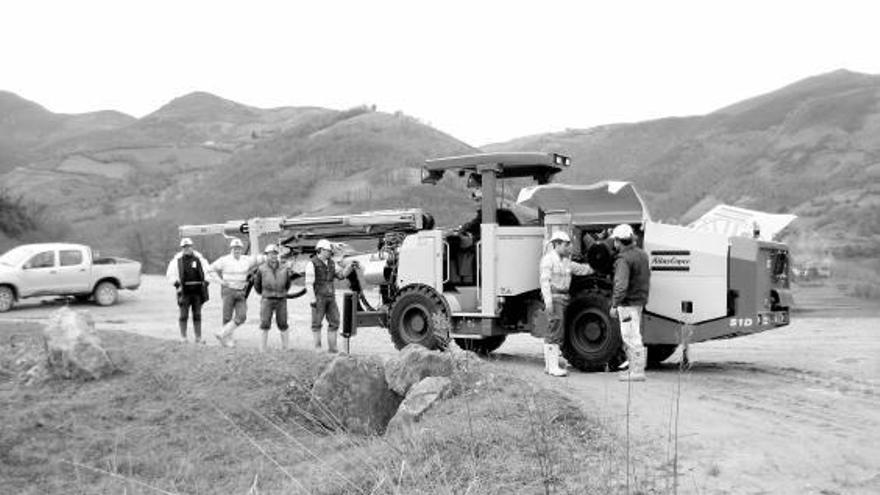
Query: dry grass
column 187, row 419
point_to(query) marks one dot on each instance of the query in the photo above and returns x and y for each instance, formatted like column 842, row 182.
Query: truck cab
column 63, row 269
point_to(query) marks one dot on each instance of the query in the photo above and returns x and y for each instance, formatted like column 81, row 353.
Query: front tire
column 106, row 293
column 7, row 298
column 416, row 317
column 482, row 346
column 592, row 338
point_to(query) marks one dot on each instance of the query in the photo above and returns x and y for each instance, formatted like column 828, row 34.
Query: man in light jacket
column 555, row 280
column 232, row 271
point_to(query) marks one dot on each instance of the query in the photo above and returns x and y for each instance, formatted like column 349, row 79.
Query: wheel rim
column 5, row 299
column 590, row 332
column 106, row 294
column 414, row 323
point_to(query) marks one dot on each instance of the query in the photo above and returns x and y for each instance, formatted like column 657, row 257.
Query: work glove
column 613, row 312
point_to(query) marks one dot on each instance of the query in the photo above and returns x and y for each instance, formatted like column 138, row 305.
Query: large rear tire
column 7, row 298
column 106, row 293
column 592, row 338
column 482, row 346
column 657, row 353
column 416, row 317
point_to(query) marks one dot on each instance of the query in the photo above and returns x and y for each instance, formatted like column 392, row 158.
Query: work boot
column 197, row 330
column 225, row 334
column 264, row 340
column 551, row 360
column 182, row 325
column 316, row 339
column 636, row 372
column 285, row 340
column 331, row 342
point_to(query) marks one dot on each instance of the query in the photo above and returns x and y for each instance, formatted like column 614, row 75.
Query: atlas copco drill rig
column 720, row 286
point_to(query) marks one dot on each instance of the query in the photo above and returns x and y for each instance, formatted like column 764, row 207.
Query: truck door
column 39, row 274
column 73, row 271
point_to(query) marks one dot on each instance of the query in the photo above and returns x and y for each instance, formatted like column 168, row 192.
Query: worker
column 465, row 236
column 231, row 271
column 272, row 281
column 555, row 277
column 320, row 274
column 186, row 272
column 632, row 276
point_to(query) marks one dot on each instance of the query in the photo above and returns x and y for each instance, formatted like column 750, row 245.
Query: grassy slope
column 186, row 419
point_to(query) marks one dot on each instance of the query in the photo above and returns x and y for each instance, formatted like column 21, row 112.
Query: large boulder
column 73, row 346
column 352, row 394
column 420, row 398
column 413, row 364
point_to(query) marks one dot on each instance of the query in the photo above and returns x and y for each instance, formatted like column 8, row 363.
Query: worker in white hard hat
column 320, row 274
column 632, row 278
column 272, row 280
column 231, row 272
column 186, row 272
column 555, row 278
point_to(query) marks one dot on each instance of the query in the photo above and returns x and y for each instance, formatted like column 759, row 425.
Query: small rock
column 421, row 397
column 413, row 364
column 73, row 346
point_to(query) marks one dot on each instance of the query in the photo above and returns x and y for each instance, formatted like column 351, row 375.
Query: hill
column 811, row 148
column 202, row 158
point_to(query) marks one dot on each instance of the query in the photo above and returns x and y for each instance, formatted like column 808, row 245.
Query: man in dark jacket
column 320, row 276
column 186, row 272
column 632, row 277
column 272, row 281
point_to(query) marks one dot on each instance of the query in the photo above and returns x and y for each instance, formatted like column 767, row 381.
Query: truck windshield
column 15, row 256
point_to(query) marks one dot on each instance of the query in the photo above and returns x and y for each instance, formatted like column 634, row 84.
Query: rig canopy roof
column 538, row 165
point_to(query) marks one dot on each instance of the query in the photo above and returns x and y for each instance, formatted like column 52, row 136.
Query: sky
column 482, row 71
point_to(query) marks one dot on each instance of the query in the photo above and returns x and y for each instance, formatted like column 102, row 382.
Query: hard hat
column 236, row 243
column 622, row 231
column 560, row 236
column 186, row 241
column 271, row 248
column 324, row 244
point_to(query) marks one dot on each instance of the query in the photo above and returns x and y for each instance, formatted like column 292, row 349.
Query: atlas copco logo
column 670, row 261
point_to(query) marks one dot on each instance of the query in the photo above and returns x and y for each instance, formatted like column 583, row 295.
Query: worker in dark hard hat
column 320, row 275
column 272, row 280
column 632, row 277
column 232, row 271
column 186, row 272
column 555, row 278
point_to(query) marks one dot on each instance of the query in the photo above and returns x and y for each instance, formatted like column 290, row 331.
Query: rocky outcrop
column 421, row 397
column 352, row 395
column 73, row 347
column 413, row 364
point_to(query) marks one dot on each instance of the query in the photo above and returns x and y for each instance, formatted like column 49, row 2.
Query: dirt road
column 795, row 410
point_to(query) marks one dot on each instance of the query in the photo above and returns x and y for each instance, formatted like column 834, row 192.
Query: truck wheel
column 106, row 293
column 481, row 346
column 416, row 317
column 657, row 353
column 592, row 338
column 7, row 297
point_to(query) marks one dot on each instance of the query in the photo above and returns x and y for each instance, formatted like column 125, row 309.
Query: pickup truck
column 58, row 269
